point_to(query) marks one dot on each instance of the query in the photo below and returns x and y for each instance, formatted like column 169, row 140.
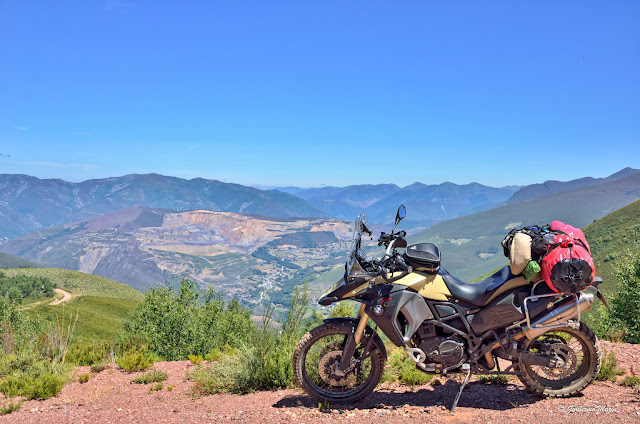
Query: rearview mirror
column 401, row 214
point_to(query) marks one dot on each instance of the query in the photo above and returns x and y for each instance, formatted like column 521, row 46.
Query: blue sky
column 310, row 93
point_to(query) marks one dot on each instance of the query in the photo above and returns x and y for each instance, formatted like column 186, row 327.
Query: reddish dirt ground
column 109, row 397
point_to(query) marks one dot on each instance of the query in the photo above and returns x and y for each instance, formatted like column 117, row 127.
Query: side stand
column 467, row 368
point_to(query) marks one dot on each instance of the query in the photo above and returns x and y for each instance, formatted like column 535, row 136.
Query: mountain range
column 258, row 257
column 428, row 203
column 29, row 203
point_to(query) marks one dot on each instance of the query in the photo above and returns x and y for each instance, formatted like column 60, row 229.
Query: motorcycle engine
column 447, row 350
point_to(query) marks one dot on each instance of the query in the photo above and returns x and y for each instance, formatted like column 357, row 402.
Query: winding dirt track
column 110, row 397
column 65, row 297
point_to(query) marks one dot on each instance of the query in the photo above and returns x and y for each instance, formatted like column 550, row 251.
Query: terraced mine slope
column 250, row 256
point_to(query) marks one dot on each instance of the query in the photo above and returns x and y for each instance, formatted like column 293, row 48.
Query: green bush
column 31, row 357
column 83, row 378
column 136, row 360
column 98, row 368
column 221, row 376
column 19, row 287
column 345, row 308
column 90, row 352
column 40, row 382
column 609, row 369
column 265, row 364
column 493, row 379
column 268, row 364
column 623, row 321
column 9, row 406
column 631, row 381
column 402, row 369
column 196, row 359
column 217, row 353
column 153, row 376
column 179, row 323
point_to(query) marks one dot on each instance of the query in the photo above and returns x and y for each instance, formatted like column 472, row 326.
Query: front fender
column 350, row 325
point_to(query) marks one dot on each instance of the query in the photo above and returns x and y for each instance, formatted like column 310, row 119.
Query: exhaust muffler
column 559, row 315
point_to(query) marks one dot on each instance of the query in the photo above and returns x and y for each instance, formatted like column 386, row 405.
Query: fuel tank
column 429, row 286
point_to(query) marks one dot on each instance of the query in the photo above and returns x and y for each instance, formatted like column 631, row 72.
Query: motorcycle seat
column 481, row 293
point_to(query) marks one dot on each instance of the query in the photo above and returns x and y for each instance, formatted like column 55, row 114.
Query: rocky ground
column 109, row 397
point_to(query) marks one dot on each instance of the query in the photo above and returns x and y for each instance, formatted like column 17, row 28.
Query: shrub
column 265, row 365
column 493, row 379
column 402, row 369
column 153, row 376
column 217, row 353
column 268, row 364
column 179, row 323
column 345, row 308
column 623, row 321
column 19, row 287
column 9, row 406
column 31, row 357
column 631, row 381
column 220, row 377
column 40, row 382
column 169, row 388
column 159, row 386
column 196, row 360
column 135, row 360
column 98, row 368
column 609, row 369
column 90, row 352
column 83, row 378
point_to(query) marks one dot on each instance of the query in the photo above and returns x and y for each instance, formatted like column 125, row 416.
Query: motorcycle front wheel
column 578, row 351
column 316, row 359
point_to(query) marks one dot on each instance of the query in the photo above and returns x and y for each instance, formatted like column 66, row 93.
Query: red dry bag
column 567, row 267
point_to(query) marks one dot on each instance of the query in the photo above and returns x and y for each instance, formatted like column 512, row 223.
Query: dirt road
column 65, row 297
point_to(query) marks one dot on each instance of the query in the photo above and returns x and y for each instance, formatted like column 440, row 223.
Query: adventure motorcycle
column 445, row 325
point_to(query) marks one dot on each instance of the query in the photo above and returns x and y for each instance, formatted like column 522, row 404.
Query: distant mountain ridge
column 29, row 203
column 429, row 203
column 549, row 187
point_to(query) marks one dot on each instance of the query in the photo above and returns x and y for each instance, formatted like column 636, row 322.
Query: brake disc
column 330, row 358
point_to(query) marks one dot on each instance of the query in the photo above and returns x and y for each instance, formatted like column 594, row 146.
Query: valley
column 245, row 256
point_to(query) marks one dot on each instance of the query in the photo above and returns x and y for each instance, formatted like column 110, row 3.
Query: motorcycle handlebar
column 402, row 264
column 398, row 263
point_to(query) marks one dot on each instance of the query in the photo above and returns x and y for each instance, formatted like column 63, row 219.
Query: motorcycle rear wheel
column 581, row 356
column 319, row 352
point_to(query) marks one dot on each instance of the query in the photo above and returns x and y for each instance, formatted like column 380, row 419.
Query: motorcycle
column 445, row 325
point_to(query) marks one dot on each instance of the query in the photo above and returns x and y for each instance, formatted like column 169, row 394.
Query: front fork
column 352, row 342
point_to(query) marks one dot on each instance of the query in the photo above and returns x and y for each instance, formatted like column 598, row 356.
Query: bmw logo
column 378, row 309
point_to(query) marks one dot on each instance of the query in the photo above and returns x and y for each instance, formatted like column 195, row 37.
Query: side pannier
column 423, row 257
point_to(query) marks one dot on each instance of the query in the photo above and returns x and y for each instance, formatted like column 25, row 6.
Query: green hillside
column 610, row 237
column 101, row 304
column 10, row 261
